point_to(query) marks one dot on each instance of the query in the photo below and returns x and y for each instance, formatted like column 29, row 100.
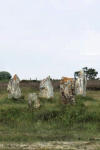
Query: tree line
column 91, row 74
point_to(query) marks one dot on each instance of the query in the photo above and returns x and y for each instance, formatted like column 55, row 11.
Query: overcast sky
column 49, row 37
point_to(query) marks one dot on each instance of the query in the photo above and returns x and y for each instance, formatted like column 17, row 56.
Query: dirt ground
column 80, row 145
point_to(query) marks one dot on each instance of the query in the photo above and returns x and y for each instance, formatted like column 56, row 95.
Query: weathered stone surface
column 81, row 83
column 33, row 101
column 46, row 89
column 67, row 90
column 13, row 88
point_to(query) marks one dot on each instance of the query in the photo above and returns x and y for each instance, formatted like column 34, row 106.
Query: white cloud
column 90, row 53
column 48, row 37
column 71, row 5
column 91, row 43
column 89, row 1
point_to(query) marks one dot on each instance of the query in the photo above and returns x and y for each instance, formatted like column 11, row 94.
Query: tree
column 5, row 75
column 91, row 73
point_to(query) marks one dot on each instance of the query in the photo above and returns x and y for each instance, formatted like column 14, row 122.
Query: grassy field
column 53, row 121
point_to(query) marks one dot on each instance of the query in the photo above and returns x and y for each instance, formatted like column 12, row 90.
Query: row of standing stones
column 69, row 87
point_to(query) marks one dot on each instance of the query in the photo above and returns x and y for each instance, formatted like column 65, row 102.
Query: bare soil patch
column 80, row 145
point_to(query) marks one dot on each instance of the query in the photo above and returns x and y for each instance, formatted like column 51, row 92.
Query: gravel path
column 52, row 146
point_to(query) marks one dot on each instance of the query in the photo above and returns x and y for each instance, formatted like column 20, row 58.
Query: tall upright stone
column 81, row 83
column 13, row 88
column 46, row 89
column 67, row 90
column 33, row 101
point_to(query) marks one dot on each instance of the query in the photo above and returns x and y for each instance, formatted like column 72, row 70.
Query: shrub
column 5, row 75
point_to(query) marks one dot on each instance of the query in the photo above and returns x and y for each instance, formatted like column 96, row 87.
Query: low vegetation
column 53, row 121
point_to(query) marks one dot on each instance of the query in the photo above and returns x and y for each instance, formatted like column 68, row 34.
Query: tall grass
column 52, row 121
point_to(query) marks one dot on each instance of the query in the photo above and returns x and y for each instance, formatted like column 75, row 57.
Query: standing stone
column 13, row 88
column 46, row 89
column 81, row 83
column 33, row 101
column 67, row 90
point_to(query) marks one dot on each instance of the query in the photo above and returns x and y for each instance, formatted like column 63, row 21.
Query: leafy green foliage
column 91, row 73
column 5, row 75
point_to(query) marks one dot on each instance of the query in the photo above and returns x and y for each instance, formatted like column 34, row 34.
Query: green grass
column 53, row 121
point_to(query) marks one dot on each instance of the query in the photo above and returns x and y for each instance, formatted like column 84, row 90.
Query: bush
column 5, row 75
